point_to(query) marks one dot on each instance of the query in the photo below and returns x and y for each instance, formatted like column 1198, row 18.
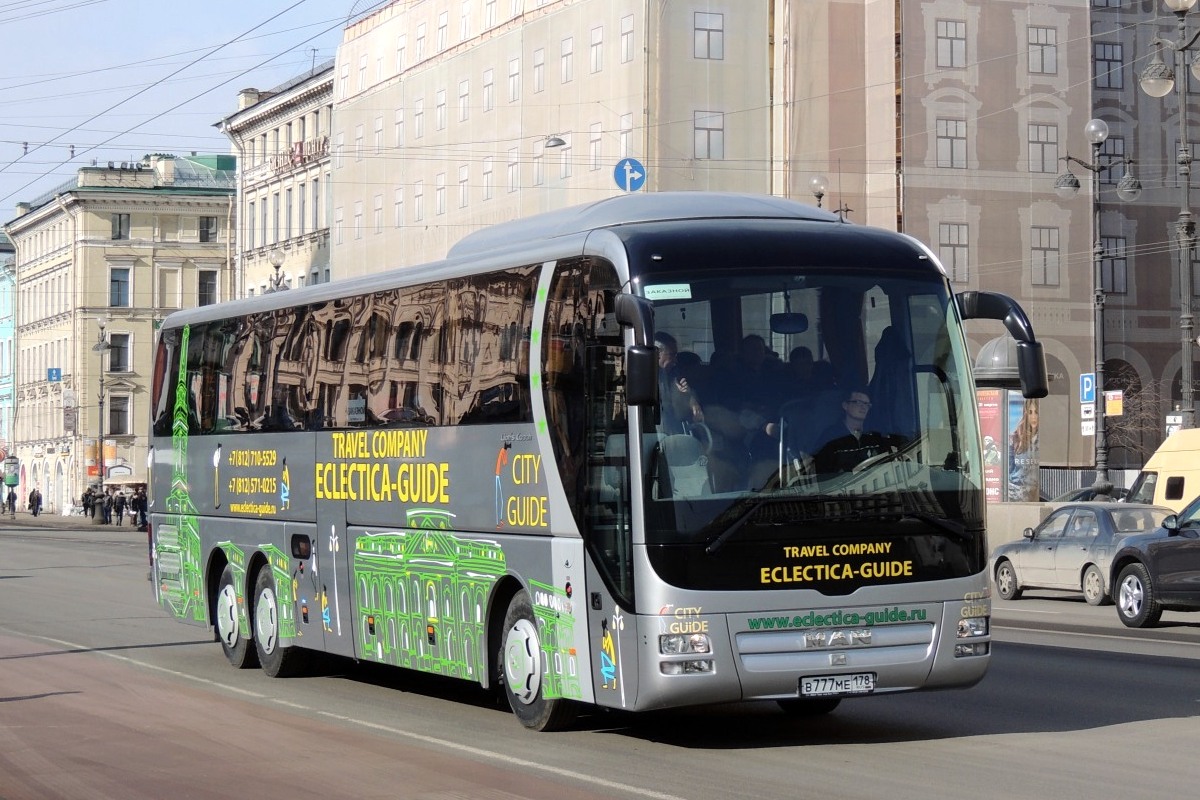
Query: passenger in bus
column 847, row 444
column 680, row 405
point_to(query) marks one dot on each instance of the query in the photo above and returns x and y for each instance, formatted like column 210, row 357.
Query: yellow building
column 100, row 261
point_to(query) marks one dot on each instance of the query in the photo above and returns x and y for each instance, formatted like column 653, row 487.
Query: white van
column 1171, row 477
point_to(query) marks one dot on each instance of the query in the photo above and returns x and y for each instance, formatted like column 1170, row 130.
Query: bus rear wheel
column 522, row 670
column 238, row 650
column 277, row 661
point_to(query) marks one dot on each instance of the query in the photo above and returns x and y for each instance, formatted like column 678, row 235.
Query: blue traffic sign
column 1087, row 387
column 54, row 374
column 630, row 175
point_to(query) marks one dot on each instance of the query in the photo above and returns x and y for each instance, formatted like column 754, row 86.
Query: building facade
column 281, row 139
column 8, row 327
column 99, row 262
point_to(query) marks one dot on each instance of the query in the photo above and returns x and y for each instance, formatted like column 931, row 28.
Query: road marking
column 478, row 752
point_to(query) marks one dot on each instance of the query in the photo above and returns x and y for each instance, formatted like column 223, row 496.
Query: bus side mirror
column 641, row 375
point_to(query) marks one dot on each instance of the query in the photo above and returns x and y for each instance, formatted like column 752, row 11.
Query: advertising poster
column 991, row 428
column 1023, row 461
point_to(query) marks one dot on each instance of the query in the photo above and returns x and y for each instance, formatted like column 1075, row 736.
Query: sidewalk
column 46, row 520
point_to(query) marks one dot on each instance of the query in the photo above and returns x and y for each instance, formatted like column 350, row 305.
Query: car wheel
column 277, row 661
column 809, row 707
column 238, row 649
column 522, row 671
column 1006, row 582
column 1136, row 605
column 1093, row 587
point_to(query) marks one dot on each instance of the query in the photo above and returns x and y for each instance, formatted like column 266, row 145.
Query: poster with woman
column 1023, row 461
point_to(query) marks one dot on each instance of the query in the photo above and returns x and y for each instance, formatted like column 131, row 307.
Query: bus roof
column 629, row 209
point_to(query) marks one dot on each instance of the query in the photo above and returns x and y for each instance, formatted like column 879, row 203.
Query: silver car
column 1072, row 549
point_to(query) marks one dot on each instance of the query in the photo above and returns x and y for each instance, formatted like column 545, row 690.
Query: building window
column 489, row 179
column 1043, row 50
column 709, row 36
column 362, row 72
column 1043, row 148
column 514, row 80
column 1114, row 148
column 419, row 201
column 464, row 100
column 443, row 23
column 398, row 207
column 1109, row 60
column 1044, row 256
column 539, row 171
column 464, row 21
column 539, row 70
column 952, row 143
column 489, row 13
column 420, row 44
column 709, row 129
column 358, row 142
column 338, row 225
column 378, row 144
column 401, row 46
column 566, row 60
column 358, row 219
column 627, row 39
column 262, row 218
column 1114, row 266
column 439, row 193
column 514, row 166
column 120, row 226
column 951, row 43
column 287, row 213
column 118, row 287
column 118, row 352
column 206, row 287
column 464, row 174
column 594, row 143
column 301, row 208
column 439, row 110
column 250, row 245
column 118, row 415
column 275, row 217
column 316, row 203
column 953, row 250
column 208, row 229
column 596, row 51
column 378, row 213
column 398, row 129
column 564, row 162
column 489, row 90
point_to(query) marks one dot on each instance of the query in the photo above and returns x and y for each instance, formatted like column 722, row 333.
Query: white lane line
column 478, row 752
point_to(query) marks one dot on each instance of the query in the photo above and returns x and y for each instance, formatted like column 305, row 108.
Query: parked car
column 1072, row 549
column 1089, row 493
column 1159, row 570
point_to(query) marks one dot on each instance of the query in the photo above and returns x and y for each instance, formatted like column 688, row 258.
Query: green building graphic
column 556, row 631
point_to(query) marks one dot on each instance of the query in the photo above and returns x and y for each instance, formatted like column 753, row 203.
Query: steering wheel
column 703, row 434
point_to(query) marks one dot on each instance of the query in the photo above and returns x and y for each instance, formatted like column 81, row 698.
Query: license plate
column 822, row 685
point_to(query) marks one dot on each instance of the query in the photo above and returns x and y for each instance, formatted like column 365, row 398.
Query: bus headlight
column 674, row 644
column 972, row 627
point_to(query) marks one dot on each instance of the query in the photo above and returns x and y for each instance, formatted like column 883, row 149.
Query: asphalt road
column 102, row 696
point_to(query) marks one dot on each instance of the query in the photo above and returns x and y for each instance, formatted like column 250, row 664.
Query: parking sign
column 1087, row 387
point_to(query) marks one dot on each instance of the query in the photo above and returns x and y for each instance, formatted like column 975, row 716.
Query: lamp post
column 275, row 258
column 1128, row 189
column 1158, row 80
column 99, row 347
column 819, row 186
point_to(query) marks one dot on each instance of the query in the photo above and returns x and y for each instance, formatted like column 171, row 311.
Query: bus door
column 329, row 580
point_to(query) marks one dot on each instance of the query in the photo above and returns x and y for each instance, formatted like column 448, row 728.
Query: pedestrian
column 106, row 517
column 35, row 502
column 11, row 500
column 138, row 507
column 119, row 507
column 86, row 502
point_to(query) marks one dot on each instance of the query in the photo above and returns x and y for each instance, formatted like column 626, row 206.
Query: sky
column 88, row 81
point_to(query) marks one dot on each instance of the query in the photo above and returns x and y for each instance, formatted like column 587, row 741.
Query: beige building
column 281, row 138
column 947, row 119
column 100, row 261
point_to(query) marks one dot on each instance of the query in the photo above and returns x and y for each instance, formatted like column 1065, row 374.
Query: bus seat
column 686, row 463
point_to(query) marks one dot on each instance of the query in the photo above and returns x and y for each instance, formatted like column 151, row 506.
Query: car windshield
column 819, row 396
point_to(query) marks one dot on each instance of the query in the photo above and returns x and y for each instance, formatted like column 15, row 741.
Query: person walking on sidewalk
column 119, row 507
column 108, row 507
column 35, row 502
column 11, row 502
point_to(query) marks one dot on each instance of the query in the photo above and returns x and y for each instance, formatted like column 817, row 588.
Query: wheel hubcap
column 227, row 623
column 1131, row 597
column 1006, row 580
column 1091, row 585
column 266, row 622
column 522, row 661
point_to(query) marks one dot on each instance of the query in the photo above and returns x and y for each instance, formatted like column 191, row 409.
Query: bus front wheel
column 523, row 671
column 277, row 661
column 238, row 650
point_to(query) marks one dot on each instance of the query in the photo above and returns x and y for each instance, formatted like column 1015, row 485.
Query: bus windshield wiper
column 716, row 543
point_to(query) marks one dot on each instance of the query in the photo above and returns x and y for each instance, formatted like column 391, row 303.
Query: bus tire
column 809, row 706
column 276, row 661
column 522, row 670
column 238, row 650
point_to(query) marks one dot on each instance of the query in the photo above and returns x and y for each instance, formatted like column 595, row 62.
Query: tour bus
column 580, row 460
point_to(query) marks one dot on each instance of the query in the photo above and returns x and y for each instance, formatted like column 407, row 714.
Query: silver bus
column 590, row 458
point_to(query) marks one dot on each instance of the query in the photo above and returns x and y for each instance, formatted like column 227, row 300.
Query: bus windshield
column 803, row 404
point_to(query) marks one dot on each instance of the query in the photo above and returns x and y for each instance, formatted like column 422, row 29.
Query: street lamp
column 1158, row 80
column 1128, row 189
column 99, row 347
column 819, row 185
column 275, row 257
